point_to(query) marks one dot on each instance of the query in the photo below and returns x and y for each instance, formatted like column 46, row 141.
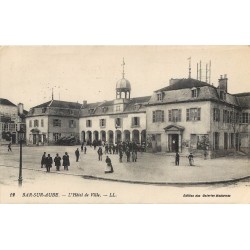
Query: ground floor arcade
column 114, row 136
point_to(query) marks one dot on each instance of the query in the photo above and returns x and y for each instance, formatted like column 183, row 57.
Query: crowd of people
column 127, row 149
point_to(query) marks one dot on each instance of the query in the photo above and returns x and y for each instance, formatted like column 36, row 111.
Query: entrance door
column 158, row 142
column 34, row 139
column 175, row 143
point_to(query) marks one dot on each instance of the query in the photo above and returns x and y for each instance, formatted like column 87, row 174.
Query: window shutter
column 187, row 115
column 162, row 115
column 199, row 114
column 179, row 115
column 170, row 115
column 153, row 116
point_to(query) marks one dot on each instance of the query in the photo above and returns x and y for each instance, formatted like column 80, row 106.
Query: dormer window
column 137, row 106
column 159, row 96
column 195, row 92
column 91, row 111
column 118, row 108
column 222, row 95
column 104, row 109
column 44, row 110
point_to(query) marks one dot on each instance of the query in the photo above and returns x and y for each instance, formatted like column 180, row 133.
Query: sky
column 77, row 73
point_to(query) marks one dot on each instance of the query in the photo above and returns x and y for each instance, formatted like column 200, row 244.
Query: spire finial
column 123, row 63
column 189, row 68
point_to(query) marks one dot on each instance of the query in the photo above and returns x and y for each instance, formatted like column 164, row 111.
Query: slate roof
column 180, row 91
column 6, row 102
column 59, row 104
column 185, row 83
column 243, row 99
column 98, row 107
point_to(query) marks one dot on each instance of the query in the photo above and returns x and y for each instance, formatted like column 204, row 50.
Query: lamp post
column 20, row 136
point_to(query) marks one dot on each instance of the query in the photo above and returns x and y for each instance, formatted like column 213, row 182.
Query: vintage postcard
column 124, row 124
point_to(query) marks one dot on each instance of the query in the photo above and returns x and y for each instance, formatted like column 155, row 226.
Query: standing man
column 48, row 163
column 9, row 147
column 177, row 159
column 134, row 156
column 85, row 149
column 57, row 161
column 99, row 151
column 43, row 160
column 191, row 159
column 120, row 155
column 66, row 162
column 77, row 153
column 82, row 147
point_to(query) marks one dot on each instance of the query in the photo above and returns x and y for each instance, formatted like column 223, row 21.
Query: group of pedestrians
column 190, row 159
column 47, row 161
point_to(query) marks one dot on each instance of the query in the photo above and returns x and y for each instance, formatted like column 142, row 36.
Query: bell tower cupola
column 123, row 87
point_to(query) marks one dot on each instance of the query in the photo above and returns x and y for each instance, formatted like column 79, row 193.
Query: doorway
column 173, row 140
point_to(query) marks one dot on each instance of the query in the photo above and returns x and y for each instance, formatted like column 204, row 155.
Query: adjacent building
column 11, row 121
column 191, row 115
column 51, row 121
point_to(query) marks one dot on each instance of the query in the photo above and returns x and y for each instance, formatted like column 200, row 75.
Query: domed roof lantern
column 123, row 85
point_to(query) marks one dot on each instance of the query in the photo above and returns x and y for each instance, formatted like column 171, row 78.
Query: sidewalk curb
column 91, row 177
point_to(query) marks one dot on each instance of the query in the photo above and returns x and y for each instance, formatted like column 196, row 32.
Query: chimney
column 84, row 103
column 20, row 108
column 223, row 83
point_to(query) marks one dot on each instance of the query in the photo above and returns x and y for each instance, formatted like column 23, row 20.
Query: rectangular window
column 36, row 123
column 174, row 115
column 56, row 136
column 194, row 92
column 226, row 116
column 158, row 116
column 193, row 114
column 72, row 123
column 56, row 123
column 135, row 121
column 88, row 123
column 159, row 97
column 216, row 115
column 102, row 123
column 44, row 110
column 118, row 108
column 216, row 140
column 245, row 118
column 118, row 122
column 42, row 124
column 30, row 124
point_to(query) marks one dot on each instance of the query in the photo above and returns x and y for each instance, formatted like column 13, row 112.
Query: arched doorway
column 110, row 136
column 118, row 136
column 126, row 135
column 103, row 136
column 83, row 138
column 143, row 136
column 89, row 137
column 96, row 135
column 136, row 136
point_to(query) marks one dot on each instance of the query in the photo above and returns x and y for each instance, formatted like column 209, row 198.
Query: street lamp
column 21, row 138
